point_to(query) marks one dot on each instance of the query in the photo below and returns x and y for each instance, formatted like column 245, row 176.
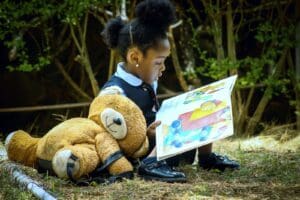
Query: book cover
column 195, row 118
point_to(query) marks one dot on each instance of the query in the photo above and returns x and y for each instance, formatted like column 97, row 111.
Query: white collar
column 130, row 78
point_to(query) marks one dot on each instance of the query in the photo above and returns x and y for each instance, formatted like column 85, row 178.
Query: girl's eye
column 158, row 63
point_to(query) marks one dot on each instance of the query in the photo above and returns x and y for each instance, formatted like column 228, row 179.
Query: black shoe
column 215, row 161
column 160, row 171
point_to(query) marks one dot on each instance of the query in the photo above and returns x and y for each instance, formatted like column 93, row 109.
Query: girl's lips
column 158, row 76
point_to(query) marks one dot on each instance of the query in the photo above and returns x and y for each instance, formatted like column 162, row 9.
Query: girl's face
column 152, row 64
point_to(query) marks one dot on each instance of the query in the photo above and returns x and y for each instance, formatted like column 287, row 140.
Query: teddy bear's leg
column 21, row 147
column 107, row 146
column 81, row 159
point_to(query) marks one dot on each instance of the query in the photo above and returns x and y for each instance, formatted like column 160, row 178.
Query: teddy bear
column 114, row 132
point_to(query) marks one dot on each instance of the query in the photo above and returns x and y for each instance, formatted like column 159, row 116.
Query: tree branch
column 70, row 80
column 64, row 106
column 123, row 10
column 75, row 39
column 44, row 107
column 112, row 58
column 266, row 96
column 85, row 28
column 133, row 5
column 175, row 60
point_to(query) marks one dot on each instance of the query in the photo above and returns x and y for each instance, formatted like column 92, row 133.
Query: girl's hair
column 153, row 17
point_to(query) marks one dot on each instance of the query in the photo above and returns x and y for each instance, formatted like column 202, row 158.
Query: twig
column 176, row 24
column 75, row 38
column 62, row 46
column 60, row 117
column 105, row 12
column 33, row 123
column 266, row 6
column 280, row 127
column 44, row 107
column 100, row 19
column 62, row 33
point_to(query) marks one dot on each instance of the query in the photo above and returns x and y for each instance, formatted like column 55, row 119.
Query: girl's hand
column 151, row 128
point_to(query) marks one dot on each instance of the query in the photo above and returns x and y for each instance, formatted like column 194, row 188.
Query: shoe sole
column 169, row 180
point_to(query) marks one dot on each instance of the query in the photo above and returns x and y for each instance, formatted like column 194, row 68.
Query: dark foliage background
column 51, row 53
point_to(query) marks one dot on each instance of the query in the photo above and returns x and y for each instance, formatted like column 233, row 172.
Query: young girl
column 144, row 46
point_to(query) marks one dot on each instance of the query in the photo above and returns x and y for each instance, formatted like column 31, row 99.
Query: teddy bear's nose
column 117, row 121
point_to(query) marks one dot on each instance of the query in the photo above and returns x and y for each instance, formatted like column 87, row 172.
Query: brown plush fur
column 90, row 142
column 136, row 124
column 22, row 148
column 77, row 135
column 135, row 144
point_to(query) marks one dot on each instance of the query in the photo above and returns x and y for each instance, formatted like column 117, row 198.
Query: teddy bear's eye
column 117, row 121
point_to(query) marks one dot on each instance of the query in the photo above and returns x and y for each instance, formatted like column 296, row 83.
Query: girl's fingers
column 154, row 125
column 151, row 128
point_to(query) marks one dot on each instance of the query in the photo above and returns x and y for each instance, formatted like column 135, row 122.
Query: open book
column 195, row 118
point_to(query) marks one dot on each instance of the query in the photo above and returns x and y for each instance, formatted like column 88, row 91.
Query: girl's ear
column 134, row 56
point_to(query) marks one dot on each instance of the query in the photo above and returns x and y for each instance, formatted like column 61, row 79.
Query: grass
column 9, row 191
column 265, row 174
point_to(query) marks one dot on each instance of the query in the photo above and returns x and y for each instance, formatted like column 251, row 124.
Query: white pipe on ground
column 21, row 179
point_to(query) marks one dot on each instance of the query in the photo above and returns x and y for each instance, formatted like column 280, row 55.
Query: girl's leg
column 152, row 153
column 205, row 150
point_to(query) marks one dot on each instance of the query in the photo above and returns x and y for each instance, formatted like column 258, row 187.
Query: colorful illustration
column 180, row 138
column 203, row 93
column 198, row 118
column 206, row 122
column 209, row 112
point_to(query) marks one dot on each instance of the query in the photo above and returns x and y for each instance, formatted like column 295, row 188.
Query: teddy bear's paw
column 65, row 164
column 8, row 139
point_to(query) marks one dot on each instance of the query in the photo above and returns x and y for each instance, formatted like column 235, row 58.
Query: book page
column 195, row 118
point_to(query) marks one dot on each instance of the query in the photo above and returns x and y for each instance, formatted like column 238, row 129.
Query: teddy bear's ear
column 111, row 90
column 114, row 123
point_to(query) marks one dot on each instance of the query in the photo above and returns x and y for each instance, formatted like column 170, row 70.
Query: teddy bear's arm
column 106, row 146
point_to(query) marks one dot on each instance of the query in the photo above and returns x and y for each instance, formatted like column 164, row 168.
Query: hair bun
column 159, row 13
column 111, row 32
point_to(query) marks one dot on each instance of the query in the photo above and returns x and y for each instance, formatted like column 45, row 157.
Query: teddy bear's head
column 124, row 120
